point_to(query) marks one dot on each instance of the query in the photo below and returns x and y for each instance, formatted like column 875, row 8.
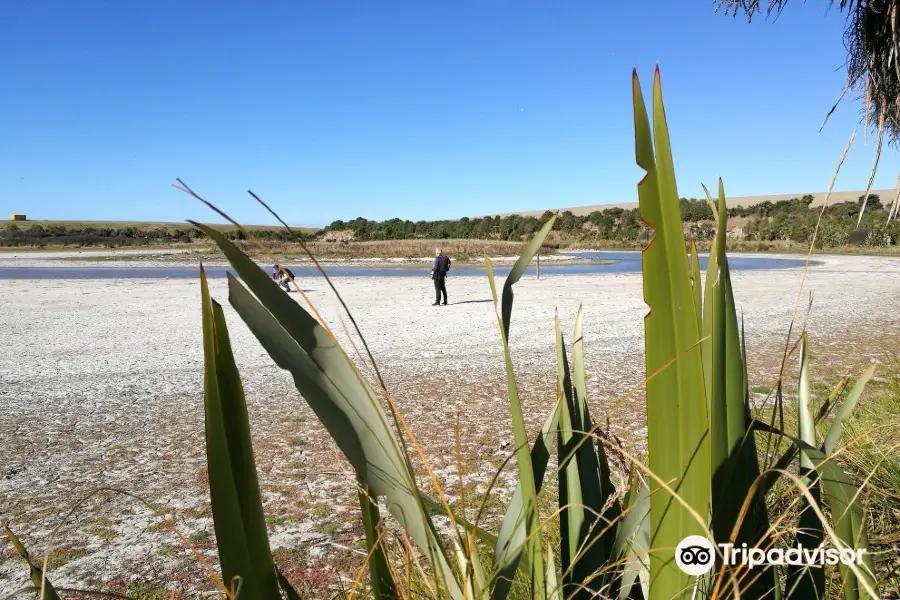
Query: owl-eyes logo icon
column 695, row 555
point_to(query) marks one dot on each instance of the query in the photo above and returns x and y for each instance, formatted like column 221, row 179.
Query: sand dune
column 886, row 196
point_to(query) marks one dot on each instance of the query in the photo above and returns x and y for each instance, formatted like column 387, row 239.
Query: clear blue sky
column 337, row 109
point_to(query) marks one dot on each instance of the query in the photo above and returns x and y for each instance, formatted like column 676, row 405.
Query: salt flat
column 101, row 385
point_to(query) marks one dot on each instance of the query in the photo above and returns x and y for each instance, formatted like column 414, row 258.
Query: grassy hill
column 142, row 226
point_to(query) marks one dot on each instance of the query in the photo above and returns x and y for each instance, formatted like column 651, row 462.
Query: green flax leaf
column 35, row 572
column 342, row 400
column 587, row 524
column 677, row 436
column 734, row 461
column 802, row 581
column 523, row 456
column 845, row 410
column 511, row 539
column 696, row 284
column 241, row 536
column 383, row 586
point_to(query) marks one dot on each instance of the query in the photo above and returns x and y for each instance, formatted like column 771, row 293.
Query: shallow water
column 622, row 262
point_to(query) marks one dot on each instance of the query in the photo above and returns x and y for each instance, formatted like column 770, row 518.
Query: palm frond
column 872, row 40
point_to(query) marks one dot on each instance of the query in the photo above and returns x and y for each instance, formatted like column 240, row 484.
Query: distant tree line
column 67, row 235
column 609, row 224
column 794, row 220
column 786, row 220
column 613, row 223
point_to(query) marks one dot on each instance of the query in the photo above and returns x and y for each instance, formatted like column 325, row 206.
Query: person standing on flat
column 439, row 269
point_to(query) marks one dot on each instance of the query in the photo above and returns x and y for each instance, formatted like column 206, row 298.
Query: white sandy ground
column 100, row 385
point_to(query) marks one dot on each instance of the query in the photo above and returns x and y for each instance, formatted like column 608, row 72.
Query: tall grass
column 710, row 469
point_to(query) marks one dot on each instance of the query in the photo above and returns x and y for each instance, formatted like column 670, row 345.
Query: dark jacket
column 441, row 265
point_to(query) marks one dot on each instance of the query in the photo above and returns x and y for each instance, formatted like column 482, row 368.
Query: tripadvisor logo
column 696, row 555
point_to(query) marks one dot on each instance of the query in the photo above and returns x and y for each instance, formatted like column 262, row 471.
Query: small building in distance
column 17, row 218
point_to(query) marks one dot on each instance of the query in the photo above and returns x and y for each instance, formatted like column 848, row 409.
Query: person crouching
column 282, row 276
